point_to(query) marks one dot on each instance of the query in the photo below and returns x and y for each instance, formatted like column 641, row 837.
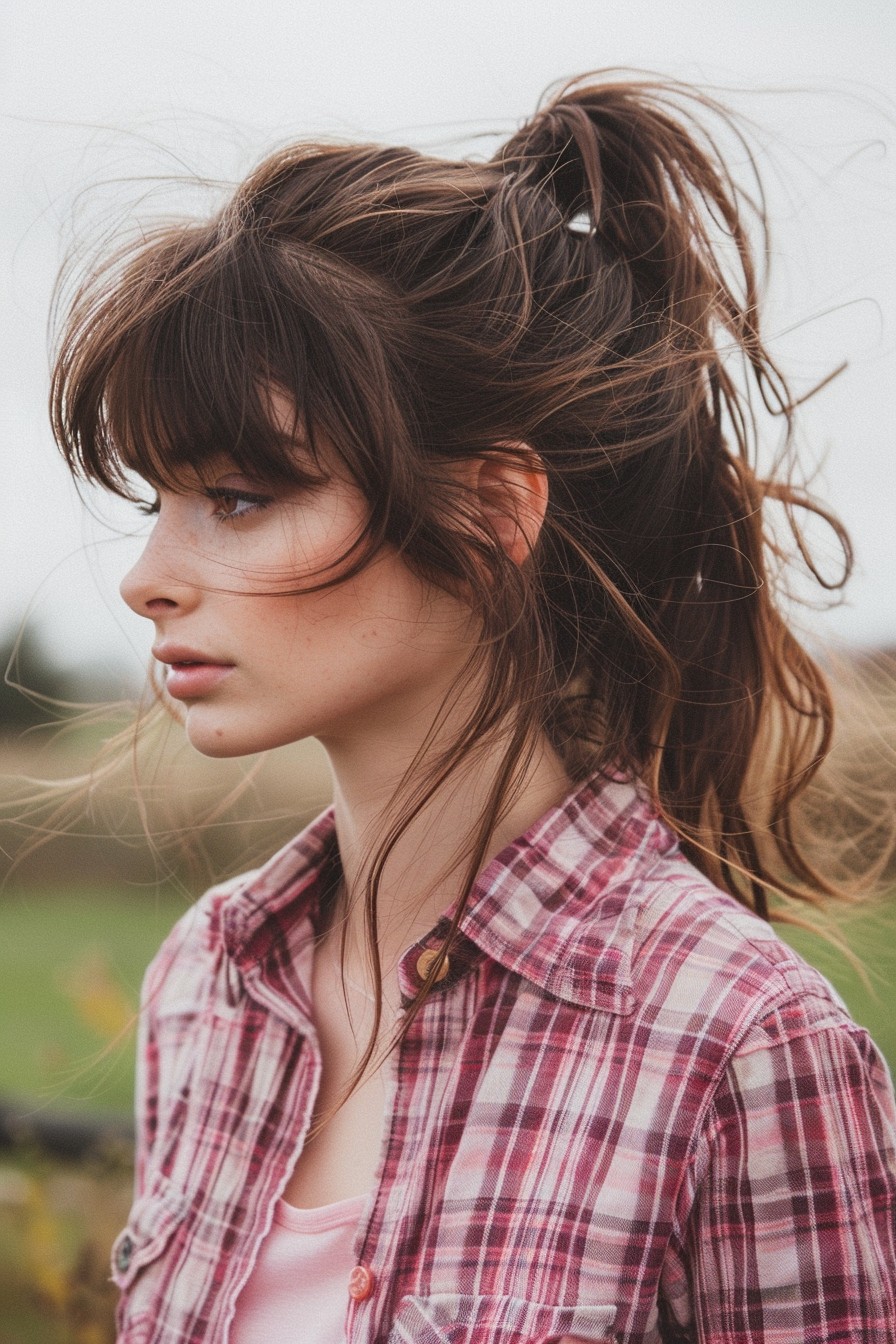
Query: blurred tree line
column 32, row 679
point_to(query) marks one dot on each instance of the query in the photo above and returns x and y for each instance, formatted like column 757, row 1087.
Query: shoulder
column 177, row 978
column 598, row 906
column 701, row 958
column 722, row 989
column 718, row 995
column 692, row 974
column 691, row 935
column 235, row 917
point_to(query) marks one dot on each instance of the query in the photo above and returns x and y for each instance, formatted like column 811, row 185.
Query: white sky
column 97, row 96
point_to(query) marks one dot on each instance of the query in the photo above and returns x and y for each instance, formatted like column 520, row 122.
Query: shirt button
column 425, row 963
column 360, row 1283
column 123, row 1255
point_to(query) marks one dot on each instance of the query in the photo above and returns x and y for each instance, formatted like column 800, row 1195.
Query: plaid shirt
column 627, row 1113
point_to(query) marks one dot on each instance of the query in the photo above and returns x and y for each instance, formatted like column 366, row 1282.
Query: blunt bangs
column 171, row 358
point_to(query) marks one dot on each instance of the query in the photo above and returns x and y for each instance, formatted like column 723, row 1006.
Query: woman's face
column 257, row 666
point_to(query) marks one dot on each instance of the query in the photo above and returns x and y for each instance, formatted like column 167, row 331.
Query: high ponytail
column 592, row 292
column 700, row 682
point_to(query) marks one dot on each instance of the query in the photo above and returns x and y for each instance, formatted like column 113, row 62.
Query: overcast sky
column 97, row 98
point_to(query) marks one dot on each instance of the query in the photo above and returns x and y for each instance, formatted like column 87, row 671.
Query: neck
column 424, row 875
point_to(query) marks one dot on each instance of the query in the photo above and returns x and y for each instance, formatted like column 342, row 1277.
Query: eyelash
column 256, row 502
column 219, row 496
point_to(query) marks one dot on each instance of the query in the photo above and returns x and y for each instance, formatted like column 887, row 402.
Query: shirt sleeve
column 791, row 1234
column 146, row 1089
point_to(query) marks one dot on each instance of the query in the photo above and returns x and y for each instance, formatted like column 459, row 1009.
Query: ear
column 513, row 496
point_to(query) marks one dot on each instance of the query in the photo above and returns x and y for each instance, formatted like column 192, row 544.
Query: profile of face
column 258, row 664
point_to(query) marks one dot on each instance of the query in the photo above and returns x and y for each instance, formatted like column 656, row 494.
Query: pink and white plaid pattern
column 627, row 1113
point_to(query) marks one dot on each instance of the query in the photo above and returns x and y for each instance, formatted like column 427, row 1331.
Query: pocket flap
column 152, row 1220
column 456, row 1318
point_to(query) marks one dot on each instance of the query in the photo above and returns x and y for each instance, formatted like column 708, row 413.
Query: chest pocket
column 454, row 1318
column 151, row 1224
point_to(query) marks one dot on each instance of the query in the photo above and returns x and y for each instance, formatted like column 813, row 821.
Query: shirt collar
column 558, row 906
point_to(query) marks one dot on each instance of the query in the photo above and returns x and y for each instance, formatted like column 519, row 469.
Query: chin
column 223, row 750
column 221, row 742
column 222, row 747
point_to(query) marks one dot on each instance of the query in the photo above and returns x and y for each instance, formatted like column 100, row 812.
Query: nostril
column 160, row 604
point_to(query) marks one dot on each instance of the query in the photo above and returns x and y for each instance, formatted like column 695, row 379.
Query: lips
column 191, row 673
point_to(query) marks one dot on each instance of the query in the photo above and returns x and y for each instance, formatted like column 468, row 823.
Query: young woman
column 454, row 470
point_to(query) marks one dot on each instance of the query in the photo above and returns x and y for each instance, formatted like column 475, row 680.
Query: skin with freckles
column 359, row 659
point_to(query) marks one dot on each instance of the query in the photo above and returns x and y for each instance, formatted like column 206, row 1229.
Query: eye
column 232, row 503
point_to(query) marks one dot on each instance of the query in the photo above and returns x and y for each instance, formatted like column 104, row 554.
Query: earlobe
column 513, row 497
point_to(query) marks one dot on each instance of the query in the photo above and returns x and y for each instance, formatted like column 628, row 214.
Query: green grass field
column 71, row 963
column 870, row 997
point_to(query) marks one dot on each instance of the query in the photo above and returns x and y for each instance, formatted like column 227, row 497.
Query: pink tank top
column 299, row 1286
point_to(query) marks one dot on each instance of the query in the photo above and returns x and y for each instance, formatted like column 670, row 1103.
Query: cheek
column 318, row 538
column 387, row 607
column 383, row 621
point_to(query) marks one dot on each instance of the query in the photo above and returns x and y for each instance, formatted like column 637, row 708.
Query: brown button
column 360, row 1282
column 425, row 963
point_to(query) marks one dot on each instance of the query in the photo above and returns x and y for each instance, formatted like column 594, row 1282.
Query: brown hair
column 590, row 291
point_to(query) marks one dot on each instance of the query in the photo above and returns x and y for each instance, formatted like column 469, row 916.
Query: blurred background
column 112, row 114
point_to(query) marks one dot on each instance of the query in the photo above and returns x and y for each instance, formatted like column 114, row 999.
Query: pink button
column 360, row 1283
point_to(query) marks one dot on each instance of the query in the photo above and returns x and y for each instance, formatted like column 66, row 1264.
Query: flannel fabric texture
column 627, row 1113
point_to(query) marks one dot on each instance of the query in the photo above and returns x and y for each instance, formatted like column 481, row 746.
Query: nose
column 156, row 585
